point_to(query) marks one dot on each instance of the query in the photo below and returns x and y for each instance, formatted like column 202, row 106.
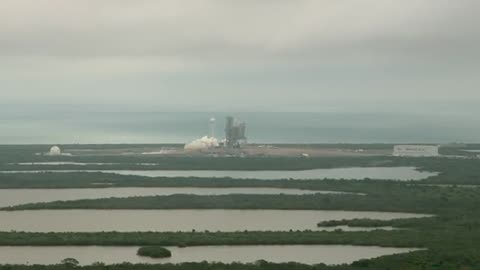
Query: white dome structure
column 55, row 151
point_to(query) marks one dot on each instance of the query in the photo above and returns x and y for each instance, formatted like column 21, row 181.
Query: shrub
column 154, row 252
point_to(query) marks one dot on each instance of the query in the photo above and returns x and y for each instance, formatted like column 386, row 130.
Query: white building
column 55, row 151
column 415, row 150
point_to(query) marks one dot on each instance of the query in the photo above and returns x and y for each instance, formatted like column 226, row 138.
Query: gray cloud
column 291, row 53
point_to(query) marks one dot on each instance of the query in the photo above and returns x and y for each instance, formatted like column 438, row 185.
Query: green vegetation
column 381, row 196
column 108, row 180
column 189, row 163
column 365, row 222
column 154, row 252
column 451, row 237
column 444, row 251
column 70, row 262
column 12, row 154
column 455, row 228
column 451, row 171
column 400, row 238
column 417, row 260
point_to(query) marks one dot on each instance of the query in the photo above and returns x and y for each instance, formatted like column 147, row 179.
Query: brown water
column 392, row 173
column 311, row 254
column 383, row 173
column 178, row 220
column 9, row 197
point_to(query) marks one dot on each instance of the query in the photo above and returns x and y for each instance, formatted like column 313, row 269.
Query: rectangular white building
column 415, row 150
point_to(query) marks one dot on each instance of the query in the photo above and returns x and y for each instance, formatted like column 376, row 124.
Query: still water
column 384, row 173
column 358, row 229
column 178, row 220
column 391, row 173
column 10, row 197
column 307, row 254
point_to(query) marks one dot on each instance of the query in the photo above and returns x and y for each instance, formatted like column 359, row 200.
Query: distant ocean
column 64, row 127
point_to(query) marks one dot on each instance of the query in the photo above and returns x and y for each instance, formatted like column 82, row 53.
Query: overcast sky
column 242, row 55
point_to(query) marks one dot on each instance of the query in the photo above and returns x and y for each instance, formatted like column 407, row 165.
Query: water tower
column 211, row 126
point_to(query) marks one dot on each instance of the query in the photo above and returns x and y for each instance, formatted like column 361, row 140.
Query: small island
column 154, row 252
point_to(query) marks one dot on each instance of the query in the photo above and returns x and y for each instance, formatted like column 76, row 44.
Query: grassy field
column 451, row 237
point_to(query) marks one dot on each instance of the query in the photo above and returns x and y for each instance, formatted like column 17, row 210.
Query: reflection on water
column 383, row 173
column 394, row 173
column 9, row 197
column 54, row 163
column 178, row 220
column 357, row 229
column 311, row 254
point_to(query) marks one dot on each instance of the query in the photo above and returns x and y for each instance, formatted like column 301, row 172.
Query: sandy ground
column 248, row 150
column 313, row 152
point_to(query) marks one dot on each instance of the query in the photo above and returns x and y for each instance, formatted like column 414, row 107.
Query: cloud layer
column 258, row 54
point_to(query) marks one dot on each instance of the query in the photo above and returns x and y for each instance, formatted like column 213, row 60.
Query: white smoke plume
column 202, row 143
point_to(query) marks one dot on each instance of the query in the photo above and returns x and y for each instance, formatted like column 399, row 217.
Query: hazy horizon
column 57, row 126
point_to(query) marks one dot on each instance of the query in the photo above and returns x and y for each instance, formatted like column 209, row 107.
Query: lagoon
column 179, row 220
column 306, row 254
column 380, row 173
column 10, row 197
